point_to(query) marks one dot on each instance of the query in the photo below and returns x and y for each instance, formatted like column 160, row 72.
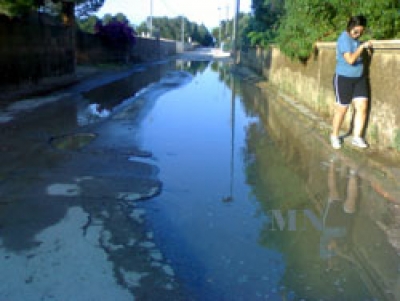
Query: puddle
column 113, row 94
column 67, row 190
column 72, row 142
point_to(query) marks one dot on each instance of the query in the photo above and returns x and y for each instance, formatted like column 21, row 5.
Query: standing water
column 253, row 207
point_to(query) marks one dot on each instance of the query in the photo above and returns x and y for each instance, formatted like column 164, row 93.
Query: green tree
column 142, row 28
column 88, row 24
column 14, row 8
column 195, row 33
column 171, row 28
column 308, row 21
column 107, row 18
column 227, row 31
column 263, row 25
column 297, row 24
column 120, row 17
column 206, row 38
column 87, row 7
column 244, row 25
column 215, row 33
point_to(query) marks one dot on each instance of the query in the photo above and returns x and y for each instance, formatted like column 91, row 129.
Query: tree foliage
column 171, row 28
column 297, row 24
column 227, row 31
column 117, row 33
column 244, row 27
column 263, row 26
column 14, row 8
column 88, row 24
column 87, row 7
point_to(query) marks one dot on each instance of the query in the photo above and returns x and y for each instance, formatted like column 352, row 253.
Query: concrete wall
column 90, row 50
column 182, row 47
column 33, row 48
column 148, row 49
column 39, row 48
column 311, row 83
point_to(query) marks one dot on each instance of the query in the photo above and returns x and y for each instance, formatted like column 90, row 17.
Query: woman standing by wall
column 349, row 82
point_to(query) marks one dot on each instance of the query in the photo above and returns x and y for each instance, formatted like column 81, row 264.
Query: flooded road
column 254, row 207
column 182, row 181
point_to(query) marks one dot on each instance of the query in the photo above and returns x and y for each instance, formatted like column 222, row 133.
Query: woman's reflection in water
column 336, row 238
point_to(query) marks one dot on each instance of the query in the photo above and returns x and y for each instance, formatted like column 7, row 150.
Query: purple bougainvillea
column 116, row 34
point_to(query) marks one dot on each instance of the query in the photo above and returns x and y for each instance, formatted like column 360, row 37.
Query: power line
column 125, row 5
column 171, row 10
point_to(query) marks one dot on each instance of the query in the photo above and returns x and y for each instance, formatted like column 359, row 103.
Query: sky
column 200, row 11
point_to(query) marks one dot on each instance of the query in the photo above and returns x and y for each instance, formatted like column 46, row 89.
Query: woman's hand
column 367, row 45
column 351, row 58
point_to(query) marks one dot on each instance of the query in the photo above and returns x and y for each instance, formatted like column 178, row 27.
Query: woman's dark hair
column 356, row 21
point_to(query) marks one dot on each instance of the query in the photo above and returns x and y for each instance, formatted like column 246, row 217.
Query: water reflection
column 193, row 67
column 289, row 171
column 338, row 215
column 114, row 93
column 229, row 155
column 242, row 154
column 98, row 103
column 73, row 141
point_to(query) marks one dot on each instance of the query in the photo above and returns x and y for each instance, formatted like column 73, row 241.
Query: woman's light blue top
column 346, row 43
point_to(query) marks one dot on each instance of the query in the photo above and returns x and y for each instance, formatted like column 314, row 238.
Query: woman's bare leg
column 340, row 112
column 361, row 106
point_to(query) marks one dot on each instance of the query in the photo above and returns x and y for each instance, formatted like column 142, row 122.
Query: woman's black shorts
column 349, row 88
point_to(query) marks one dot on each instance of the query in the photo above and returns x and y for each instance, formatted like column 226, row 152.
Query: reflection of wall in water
column 114, row 93
column 91, row 50
column 302, row 155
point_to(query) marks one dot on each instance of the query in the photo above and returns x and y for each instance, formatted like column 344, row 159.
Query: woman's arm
column 351, row 58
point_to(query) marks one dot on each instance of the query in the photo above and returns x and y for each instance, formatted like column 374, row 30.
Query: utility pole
column 151, row 18
column 183, row 33
column 236, row 34
column 233, row 115
column 219, row 22
column 227, row 21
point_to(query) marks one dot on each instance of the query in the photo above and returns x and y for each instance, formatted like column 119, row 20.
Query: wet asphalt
column 71, row 188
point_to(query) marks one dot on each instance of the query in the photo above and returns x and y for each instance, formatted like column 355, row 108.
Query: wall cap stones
column 378, row 44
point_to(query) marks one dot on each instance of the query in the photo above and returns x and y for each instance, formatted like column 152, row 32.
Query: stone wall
column 39, row 53
column 90, row 50
column 33, row 48
column 147, row 49
column 311, row 83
